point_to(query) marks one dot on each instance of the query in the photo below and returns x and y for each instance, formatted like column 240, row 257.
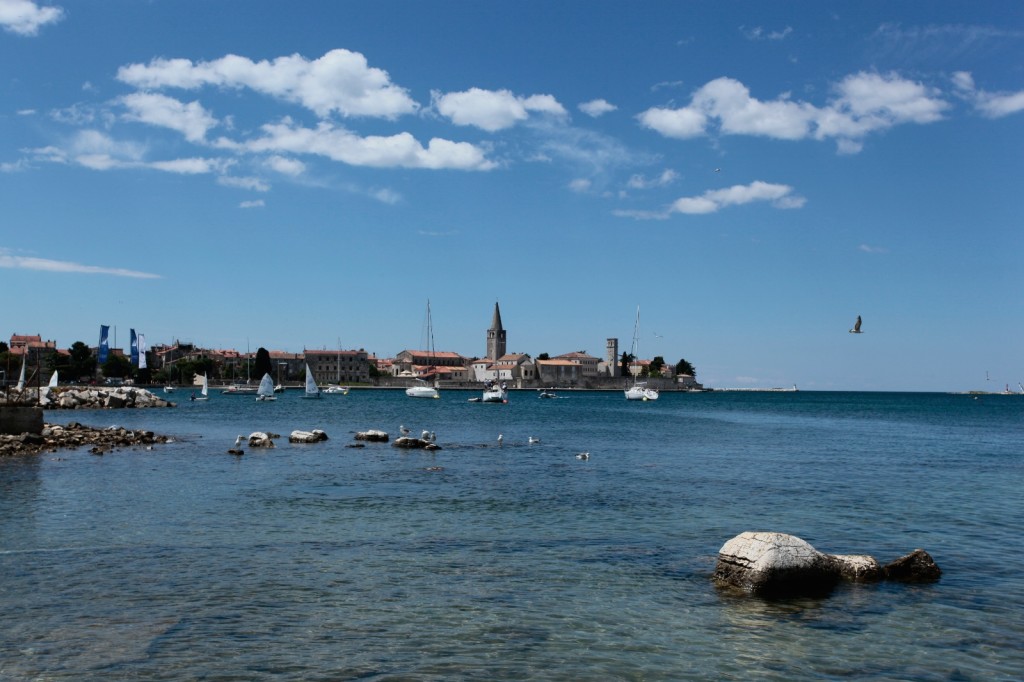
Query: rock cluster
column 93, row 398
column 260, row 439
column 75, row 435
column 314, row 436
column 373, row 436
column 774, row 564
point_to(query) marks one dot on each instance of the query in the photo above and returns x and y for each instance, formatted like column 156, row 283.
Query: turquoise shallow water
column 322, row 562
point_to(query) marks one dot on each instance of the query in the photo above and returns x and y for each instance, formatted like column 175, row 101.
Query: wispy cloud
column 988, row 104
column 867, row 248
column 759, row 33
column 47, row 265
column 712, row 201
column 25, row 17
column 258, row 203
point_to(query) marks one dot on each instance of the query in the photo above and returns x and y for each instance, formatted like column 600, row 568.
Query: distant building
column 509, row 367
column 612, row 368
column 588, row 363
column 338, row 366
column 559, row 372
column 33, row 347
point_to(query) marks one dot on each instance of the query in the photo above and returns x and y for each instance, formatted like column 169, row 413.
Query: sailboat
column 21, row 378
column 266, row 389
column 204, row 392
column 422, row 389
column 312, row 390
column 53, row 380
column 639, row 390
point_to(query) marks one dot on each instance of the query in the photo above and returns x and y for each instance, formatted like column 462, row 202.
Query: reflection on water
column 519, row 561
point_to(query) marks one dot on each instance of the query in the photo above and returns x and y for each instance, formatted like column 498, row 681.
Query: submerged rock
column 916, row 567
column 314, row 436
column 373, row 436
column 775, row 564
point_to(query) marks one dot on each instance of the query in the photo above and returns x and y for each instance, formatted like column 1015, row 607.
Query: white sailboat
column 21, row 377
column 422, row 389
column 53, row 380
column 204, row 392
column 639, row 390
column 266, row 389
column 312, row 390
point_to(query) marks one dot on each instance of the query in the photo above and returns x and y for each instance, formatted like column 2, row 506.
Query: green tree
column 543, row 356
column 657, row 364
column 82, row 362
column 625, row 362
column 262, row 364
column 684, row 367
column 117, row 367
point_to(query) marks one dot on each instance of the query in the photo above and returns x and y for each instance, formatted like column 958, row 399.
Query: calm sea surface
column 323, row 562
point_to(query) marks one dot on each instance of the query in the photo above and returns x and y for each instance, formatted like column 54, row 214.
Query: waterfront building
column 559, row 372
column 588, row 363
column 338, row 366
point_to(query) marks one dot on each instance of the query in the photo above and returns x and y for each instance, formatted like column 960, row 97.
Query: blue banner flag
column 135, row 350
column 104, row 349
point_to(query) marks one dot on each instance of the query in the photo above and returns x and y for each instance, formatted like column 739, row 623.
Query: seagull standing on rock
column 402, row 430
column 501, row 439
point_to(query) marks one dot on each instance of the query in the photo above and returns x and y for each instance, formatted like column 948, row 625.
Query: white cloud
column 338, row 82
column 258, row 203
column 667, row 177
column 597, row 107
column 581, row 185
column 493, row 110
column 47, row 265
column 759, row 33
column 863, row 103
column 193, row 166
column 191, row 120
column 988, row 104
column 250, row 183
column 25, row 17
column 401, row 150
column 386, row 195
column 286, row 166
column 867, row 248
column 712, row 201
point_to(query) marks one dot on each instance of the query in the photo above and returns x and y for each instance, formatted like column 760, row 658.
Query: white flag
column 142, row 351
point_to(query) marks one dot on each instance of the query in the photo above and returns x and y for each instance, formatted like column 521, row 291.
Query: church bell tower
column 495, row 336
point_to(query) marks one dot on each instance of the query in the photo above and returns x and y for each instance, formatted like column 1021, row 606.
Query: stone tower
column 611, row 356
column 495, row 336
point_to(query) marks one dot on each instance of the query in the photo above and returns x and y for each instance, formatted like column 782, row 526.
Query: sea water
column 515, row 561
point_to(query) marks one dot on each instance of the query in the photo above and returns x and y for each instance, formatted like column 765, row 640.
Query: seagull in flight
column 856, row 327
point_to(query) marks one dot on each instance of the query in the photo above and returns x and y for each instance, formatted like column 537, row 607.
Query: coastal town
column 181, row 363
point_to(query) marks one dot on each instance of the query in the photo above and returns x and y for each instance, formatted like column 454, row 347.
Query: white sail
column 21, row 377
column 53, row 380
column 266, row 389
column 206, row 386
column 312, row 390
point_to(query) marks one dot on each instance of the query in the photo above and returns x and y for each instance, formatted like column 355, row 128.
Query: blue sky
column 302, row 175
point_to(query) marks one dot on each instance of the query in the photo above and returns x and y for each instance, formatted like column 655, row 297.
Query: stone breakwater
column 55, row 437
column 96, row 398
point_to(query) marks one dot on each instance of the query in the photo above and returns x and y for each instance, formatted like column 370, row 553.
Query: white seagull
column 402, row 430
column 856, row 327
column 583, row 455
column 238, row 441
column 533, row 440
column 501, row 439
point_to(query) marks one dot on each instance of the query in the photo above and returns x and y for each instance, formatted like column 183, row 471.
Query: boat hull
column 422, row 392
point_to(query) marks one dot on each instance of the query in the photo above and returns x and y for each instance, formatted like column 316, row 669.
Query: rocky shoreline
column 74, row 435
